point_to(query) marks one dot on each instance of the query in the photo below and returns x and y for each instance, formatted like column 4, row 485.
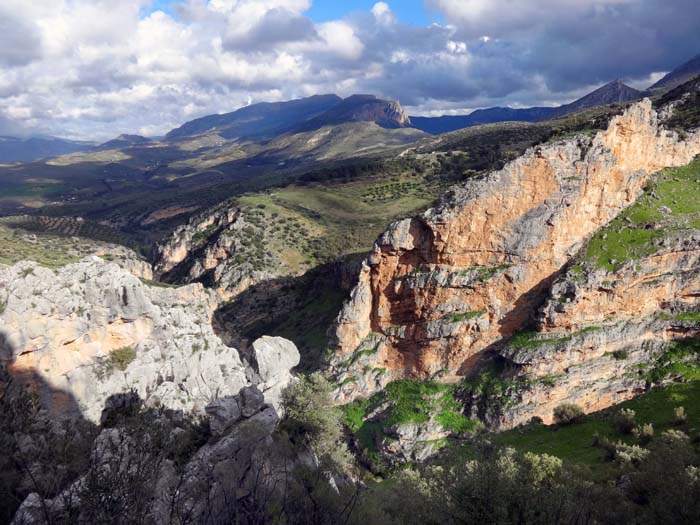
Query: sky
column 93, row 69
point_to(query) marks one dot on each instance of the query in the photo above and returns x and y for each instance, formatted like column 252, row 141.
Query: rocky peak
column 361, row 108
column 611, row 93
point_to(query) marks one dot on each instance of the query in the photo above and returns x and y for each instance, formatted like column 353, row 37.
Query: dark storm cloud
column 277, row 26
column 20, row 41
column 573, row 43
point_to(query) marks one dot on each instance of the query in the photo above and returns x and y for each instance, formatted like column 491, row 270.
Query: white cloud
column 382, row 13
column 97, row 68
column 339, row 38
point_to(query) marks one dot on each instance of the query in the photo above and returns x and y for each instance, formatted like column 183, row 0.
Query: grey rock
column 66, row 325
column 274, row 356
column 251, row 401
column 222, row 412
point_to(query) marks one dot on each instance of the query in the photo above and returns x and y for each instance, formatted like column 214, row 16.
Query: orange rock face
column 440, row 289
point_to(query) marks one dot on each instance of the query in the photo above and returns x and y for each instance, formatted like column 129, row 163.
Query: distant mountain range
column 613, row 92
column 610, row 93
column 14, row 149
column 266, row 121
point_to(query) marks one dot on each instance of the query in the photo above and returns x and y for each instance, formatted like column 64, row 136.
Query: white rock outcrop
column 89, row 330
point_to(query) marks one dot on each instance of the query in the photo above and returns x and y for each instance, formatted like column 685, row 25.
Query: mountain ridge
column 268, row 120
column 679, row 75
column 612, row 92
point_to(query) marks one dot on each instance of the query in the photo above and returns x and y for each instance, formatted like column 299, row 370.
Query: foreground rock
column 440, row 290
column 91, row 330
column 243, row 467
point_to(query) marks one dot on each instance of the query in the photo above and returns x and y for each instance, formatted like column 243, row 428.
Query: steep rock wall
column 440, row 289
column 603, row 337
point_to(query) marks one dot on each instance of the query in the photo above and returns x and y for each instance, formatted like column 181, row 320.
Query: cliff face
column 210, row 249
column 91, row 330
column 441, row 289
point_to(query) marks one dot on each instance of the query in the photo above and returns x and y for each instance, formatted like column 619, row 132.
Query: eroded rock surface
column 90, row 330
column 244, row 462
column 440, row 290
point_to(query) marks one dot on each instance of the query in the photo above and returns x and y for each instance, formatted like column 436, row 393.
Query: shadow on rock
column 300, row 309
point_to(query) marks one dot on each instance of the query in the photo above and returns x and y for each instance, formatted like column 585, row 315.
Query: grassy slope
column 669, row 203
column 574, row 443
column 48, row 249
column 338, row 218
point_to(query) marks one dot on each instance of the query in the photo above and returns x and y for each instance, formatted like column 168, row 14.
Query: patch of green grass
column 532, row 340
column 684, row 316
column 619, row 355
column 573, row 443
column 465, row 316
column 118, row 359
column 121, row 358
column 404, row 402
column 487, row 272
column 681, row 360
column 670, row 202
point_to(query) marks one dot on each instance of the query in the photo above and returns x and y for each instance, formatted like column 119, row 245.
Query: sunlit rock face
column 91, row 330
column 440, row 289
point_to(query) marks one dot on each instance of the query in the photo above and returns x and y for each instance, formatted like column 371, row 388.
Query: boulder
column 273, row 357
column 222, row 412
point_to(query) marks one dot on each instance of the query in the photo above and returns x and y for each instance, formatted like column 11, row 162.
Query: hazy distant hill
column 610, row 93
column 444, row 124
column 13, row 149
column 124, row 141
column 678, row 76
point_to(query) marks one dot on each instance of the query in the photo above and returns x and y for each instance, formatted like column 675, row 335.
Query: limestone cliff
column 441, row 289
column 226, row 249
column 90, row 330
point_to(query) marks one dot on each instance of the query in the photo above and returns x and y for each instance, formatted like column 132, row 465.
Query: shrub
column 624, row 422
column 310, row 418
column 679, row 416
column 536, row 420
column 644, row 433
column 620, row 355
column 567, row 414
column 121, row 358
column 629, row 454
column 674, row 437
column 541, row 466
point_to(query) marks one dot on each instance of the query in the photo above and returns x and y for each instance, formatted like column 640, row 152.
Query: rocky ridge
column 223, row 248
column 87, row 331
column 442, row 290
column 243, row 460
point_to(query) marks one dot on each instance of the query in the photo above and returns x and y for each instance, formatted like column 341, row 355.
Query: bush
column 679, row 416
column 629, row 454
column 310, row 418
column 624, row 422
column 644, row 433
column 672, row 437
column 568, row 414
